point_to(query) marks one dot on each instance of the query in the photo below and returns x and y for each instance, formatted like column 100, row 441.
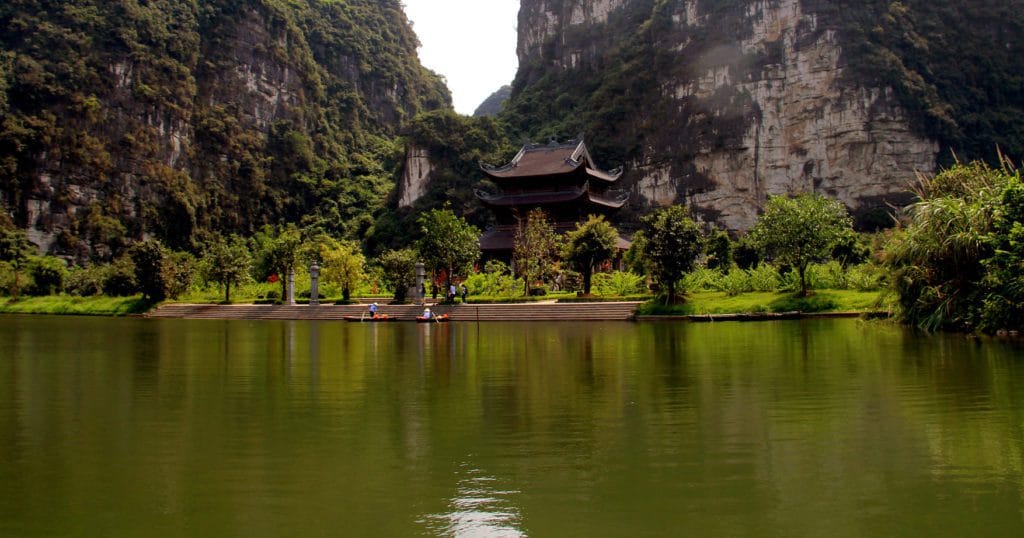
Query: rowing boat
column 370, row 319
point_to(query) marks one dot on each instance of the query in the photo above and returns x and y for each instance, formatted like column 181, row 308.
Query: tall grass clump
column 618, row 284
column 956, row 261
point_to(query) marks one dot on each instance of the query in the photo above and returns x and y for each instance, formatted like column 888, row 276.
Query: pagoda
column 559, row 178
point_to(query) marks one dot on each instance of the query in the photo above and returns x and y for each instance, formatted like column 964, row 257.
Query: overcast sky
column 472, row 43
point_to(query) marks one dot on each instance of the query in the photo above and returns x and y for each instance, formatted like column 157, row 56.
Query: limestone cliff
column 718, row 104
column 168, row 118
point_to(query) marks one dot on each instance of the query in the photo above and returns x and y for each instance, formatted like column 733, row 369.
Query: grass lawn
column 755, row 302
column 696, row 303
column 68, row 304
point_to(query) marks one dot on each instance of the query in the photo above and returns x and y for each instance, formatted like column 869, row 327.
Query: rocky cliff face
column 124, row 120
column 719, row 104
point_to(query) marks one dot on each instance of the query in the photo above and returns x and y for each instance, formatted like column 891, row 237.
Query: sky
column 471, row 43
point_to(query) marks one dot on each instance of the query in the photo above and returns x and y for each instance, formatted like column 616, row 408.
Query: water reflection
column 478, row 509
column 506, row 429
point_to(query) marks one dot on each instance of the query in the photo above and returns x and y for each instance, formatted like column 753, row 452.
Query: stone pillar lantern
column 290, row 300
column 420, row 274
column 314, row 284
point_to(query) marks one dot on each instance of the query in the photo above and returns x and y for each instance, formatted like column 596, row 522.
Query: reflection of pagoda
column 561, row 179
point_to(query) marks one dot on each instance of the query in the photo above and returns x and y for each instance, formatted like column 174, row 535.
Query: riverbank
column 704, row 306
column 76, row 306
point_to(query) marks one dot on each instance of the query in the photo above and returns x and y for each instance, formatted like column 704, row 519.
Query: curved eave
column 610, row 177
column 530, row 199
column 612, row 203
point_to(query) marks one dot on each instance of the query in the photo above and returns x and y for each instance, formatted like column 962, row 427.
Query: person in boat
column 373, row 310
column 426, row 313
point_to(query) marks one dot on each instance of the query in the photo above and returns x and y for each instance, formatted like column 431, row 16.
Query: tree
column 535, row 247
column 278, row 252
column 16, row 249
column 589, row 244
column 179, row 272
column 719, row 251
column 800, row 230
column 399, row 271
column 149, row 258
column 343, row 264
column 48, row 275
column 226, row 262
column 119, row 277
column 672, row 243
column 448, row 242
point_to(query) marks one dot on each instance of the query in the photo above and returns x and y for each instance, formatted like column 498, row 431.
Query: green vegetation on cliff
column 178, row 118
column 956, row 68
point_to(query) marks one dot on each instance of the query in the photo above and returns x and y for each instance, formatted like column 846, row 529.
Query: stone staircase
column 546, row 311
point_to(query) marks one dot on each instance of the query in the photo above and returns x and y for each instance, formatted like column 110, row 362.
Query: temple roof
column 553, row 159
column 615, row 201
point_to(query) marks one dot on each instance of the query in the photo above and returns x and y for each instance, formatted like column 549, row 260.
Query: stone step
column 460, row 312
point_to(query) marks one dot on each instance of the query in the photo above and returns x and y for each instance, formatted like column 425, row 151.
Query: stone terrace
column 545, row 311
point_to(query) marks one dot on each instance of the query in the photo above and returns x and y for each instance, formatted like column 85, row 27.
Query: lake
column 135, row 427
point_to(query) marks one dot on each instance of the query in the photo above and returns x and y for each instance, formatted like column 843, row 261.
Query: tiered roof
column 553, row 159
column 561, row 178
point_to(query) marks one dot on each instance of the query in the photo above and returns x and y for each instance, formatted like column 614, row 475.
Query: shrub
column 765, row 277
column 572, row 281
column 735, row 282
column 865, row 277
column 618, row 284
column 745, row 253
column 7, row 278
column 119, row 278
column 702, row 279
column 826, row 276
column 48, row 274
column 85, row 281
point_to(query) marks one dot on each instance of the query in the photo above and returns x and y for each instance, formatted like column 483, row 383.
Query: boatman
column 426, row 313
column 373, row 310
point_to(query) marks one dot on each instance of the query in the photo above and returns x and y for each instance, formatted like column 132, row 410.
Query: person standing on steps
column 465, row 292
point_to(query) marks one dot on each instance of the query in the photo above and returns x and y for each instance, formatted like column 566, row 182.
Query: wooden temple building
column 561, row 179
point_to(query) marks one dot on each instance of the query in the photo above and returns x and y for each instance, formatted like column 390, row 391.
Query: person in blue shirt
column 373, row 310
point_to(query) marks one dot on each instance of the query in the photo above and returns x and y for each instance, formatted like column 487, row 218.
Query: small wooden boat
column 370, row 319
column 443, row 318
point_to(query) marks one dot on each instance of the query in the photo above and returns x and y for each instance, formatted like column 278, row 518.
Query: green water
column 130, row 427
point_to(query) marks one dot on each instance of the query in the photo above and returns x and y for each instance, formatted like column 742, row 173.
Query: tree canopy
column 592, row 242
column 448, row 242
column 535, row 248
column 799, row 230
column 226, row 261
column 672, row 241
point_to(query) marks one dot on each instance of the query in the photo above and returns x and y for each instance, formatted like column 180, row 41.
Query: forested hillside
column 171, row 118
